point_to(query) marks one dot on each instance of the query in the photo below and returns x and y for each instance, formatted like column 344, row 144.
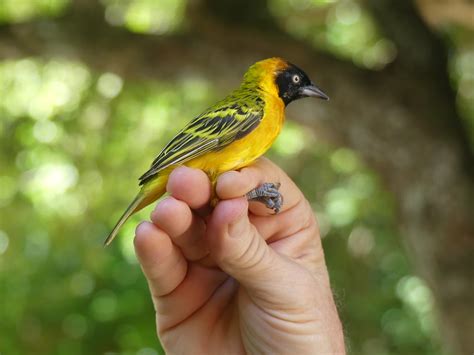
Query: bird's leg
column 267, row 194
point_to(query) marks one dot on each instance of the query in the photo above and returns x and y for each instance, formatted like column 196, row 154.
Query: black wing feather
column 210, row 131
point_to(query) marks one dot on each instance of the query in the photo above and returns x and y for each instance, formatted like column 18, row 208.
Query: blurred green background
column 90, row 91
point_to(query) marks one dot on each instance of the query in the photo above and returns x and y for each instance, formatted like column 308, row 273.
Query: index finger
column 235, row 184
column 162, row 262
column 191, row 186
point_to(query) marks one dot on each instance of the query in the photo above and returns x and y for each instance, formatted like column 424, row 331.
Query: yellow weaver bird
column 231, row 134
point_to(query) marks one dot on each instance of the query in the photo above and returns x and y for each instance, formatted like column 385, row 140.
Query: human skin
column 238, row 279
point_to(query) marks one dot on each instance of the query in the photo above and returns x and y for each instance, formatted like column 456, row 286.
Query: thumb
column 239, row 249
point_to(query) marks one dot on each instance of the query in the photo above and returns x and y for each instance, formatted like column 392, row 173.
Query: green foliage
column 145, row 16
column 73, row 142
column 341, row 27
column 20, row 10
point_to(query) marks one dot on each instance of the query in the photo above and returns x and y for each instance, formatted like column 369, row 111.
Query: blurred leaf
column 12, row 11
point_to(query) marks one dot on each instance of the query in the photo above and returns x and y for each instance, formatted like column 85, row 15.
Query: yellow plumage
column 231, row 134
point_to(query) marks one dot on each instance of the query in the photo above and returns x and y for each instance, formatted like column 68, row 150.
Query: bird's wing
column 210, row 131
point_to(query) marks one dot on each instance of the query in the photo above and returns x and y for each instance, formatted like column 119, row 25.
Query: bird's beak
column 313, row 91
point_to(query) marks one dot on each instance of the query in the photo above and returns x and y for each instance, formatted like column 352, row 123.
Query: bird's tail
column 132, row 208
column 150, row 192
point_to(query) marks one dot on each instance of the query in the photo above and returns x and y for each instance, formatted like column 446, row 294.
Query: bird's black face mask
column 294, row 84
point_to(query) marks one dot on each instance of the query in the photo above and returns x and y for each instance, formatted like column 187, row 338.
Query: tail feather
column 149, row 193
column 132, row 208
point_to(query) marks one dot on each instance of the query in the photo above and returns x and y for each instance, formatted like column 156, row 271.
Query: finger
column 234, row 184
column 241, row 252
column 184, row 228
column 190, row 185
column 162, row 262
column 201, row 283
column 218, row 309
column 303, row 247
column 285, row 223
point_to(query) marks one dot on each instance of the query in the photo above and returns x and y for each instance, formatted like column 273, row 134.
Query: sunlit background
column 74, row 140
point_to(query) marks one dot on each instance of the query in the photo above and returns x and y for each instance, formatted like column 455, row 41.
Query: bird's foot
column 267, row 194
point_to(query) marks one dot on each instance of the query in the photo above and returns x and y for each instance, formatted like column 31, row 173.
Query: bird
column 231, row 134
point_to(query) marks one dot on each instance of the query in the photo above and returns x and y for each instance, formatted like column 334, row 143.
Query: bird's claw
column 267, row 194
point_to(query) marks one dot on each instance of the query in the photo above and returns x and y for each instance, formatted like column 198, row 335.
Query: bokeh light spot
column 109, row 85
column 31, row 87
column 8, row 188
column 360, row 242
column 21, row 10
column 347, row 12
column 341, row 206
column 291, row 140
column 414, row 292
column 94, row 116
column 54, row 178
column 344, row 160
column 104, row 306
column 45, row 131
column 146, row 16
column 82, row 284
column 75, row 325
column 4, row 241
column 37, row 245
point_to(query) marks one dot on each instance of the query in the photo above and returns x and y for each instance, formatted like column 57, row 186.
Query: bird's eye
column 296, row 79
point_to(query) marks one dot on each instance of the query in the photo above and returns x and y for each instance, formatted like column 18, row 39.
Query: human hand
column 240, row 280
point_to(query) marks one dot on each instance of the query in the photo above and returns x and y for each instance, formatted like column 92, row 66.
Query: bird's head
column 284, row 79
